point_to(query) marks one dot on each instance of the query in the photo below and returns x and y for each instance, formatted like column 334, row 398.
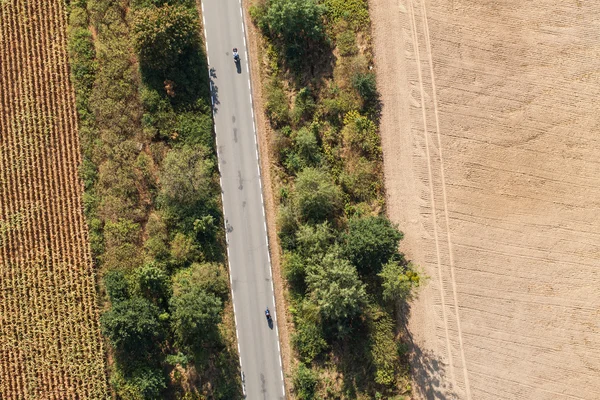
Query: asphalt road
column 249, row 262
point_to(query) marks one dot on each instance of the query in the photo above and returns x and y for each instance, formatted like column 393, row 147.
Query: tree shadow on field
column 428, row 370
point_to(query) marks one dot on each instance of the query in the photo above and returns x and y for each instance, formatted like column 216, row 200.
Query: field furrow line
column 31, row 265
column 15, row 263
column 416, row 52
column 10, row 381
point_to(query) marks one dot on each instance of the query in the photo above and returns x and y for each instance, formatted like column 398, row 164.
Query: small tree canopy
column 186, row 176
column 398, row 281
column 295, row 25
column 194, row 316
column 162, row 34
column 317, row 197
column 152, row 283
column 370, row 242
column 337, row 289
column 313, row 242
column 116, row 285
column 131, row 325
column 210, row 277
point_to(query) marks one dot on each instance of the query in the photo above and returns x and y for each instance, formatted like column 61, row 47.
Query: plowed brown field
column 50, row 345
column 491, row 137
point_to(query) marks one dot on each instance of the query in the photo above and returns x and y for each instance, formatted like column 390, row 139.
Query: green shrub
column 371, row 242
column 304, row 106
column 132, row 326
column 88, row 173
column 314, row 241
column 156, row 244
column 346, row 43
column 295, row 26
column 124, row 257
column 161, row 35
column 77, row 15
column 82, row 56
column 360, row 134
column 360, row 179
column 305, row 382
column 195, row 128
column 366, row 86
column 335, row 287
column 142, row 383
column 308, row 340
column 185, row 178
column 383, row 349
column 90, row 202
column 316, row 196
column 116, row 286
column 337, row 104
column 307, row 148
column 293, row 162
column 120, row 232
column 277, row 108
column 194, row 316
column 398, row 281
column 152, row 283
column 184, row 249
column 287, row 224
column 95, row 236
column 356, row 12
column 294, row 269
column 210, row 277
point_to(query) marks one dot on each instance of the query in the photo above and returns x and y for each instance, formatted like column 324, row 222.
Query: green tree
column 132, row 325
column 313, row 242
column 210, row 277
column 305, row 382
column 194, row 317
column 317, row 197
column 161, row 35
column 398, row 281
column 294, row 269
column 143, row 382
column 337, row 290
column 308, row 340
column 307, row 147
column 186, row 177
column 360, row 134
column 153, row 283
column 116, row 286
column 366, row 85
column 370, row 242
column 287, row 224
column 184, row 249
column 294, row 25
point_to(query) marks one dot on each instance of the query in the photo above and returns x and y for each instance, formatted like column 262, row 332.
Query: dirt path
column 490, row 136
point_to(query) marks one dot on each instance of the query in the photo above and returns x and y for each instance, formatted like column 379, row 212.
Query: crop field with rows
column 50, row 344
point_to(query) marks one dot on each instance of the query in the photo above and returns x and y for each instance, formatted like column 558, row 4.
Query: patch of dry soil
column 490, row 132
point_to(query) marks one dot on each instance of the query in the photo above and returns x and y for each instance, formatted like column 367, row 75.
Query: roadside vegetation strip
column 50, row 345
column 346, row 277
column 152, row 198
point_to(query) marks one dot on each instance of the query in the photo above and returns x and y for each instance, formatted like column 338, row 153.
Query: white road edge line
column 237, row 333
column 263, row 204
column 262, row 200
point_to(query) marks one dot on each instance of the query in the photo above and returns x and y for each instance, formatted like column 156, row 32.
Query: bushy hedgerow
column 324, row 113
column 143, row 126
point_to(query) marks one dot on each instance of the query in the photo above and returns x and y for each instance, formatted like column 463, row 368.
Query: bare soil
column 490, row 131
